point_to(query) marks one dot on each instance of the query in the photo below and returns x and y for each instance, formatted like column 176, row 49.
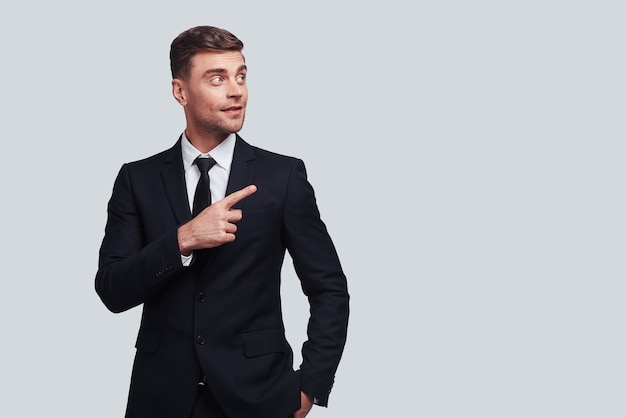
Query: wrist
column 184, row 245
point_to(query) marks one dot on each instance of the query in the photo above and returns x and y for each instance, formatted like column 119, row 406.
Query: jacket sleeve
column 323, row 282
column 129, row 269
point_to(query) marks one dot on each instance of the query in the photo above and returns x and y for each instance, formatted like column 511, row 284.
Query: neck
column 204, row 141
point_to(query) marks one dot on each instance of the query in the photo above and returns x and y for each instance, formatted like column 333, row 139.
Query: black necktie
column 202, row 198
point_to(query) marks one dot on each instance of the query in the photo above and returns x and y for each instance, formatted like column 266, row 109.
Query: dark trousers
column 205, row 405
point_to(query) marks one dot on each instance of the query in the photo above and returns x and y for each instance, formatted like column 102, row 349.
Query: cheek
column 206, row 104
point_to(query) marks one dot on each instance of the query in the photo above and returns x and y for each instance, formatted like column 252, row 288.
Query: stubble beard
column 220, row 128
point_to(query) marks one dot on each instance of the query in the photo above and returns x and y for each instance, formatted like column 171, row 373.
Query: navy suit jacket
column 222, row 316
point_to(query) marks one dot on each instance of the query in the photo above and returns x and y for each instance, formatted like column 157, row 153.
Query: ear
column 179, row 92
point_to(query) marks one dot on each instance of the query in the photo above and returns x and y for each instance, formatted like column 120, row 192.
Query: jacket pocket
column 148, row 340
column 264, row 342
column 260, row 209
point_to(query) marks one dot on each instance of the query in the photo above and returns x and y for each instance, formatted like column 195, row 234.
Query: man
column 211, row 341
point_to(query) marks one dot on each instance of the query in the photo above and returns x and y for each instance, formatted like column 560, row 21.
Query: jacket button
column 201, row 297
column 200, row 339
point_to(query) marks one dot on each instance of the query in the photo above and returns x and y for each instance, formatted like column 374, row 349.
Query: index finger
column 235, row 197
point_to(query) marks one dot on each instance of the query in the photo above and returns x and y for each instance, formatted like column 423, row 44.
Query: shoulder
column 264, row 154
column 156, row 161
column 270, row 157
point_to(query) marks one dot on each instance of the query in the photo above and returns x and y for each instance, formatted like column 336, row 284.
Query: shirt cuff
column 186, row 259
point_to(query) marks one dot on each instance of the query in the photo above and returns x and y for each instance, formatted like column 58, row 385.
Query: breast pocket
column 255, row 210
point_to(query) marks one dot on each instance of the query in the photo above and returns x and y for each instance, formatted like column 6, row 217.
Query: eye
column 241, row 78
column 217, row 80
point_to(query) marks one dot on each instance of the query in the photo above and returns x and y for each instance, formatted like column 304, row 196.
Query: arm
column 130, row 270
column 323, row 282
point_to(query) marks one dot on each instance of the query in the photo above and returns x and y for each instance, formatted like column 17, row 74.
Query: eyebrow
column 223, row 70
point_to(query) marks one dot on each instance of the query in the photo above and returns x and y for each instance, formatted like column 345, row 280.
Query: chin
column 237, row 127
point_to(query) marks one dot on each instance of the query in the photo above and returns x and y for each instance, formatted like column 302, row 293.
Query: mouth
column 233, row 109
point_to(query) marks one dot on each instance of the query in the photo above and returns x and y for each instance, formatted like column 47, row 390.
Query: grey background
column 468, row 162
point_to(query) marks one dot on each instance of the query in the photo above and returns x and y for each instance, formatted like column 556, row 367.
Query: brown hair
column 199, row 39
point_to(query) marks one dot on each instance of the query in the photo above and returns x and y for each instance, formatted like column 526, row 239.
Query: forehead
column 207, row 61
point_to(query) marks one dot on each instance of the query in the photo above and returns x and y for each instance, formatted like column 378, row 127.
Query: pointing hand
column 215, row 225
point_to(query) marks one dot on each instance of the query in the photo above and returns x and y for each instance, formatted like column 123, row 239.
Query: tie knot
column 204, row 164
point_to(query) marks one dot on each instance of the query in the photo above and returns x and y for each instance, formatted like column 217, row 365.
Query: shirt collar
column 222, row 154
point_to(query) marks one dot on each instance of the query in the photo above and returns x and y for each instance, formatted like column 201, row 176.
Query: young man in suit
column 211, row 341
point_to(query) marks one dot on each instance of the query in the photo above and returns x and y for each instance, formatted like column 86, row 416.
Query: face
column 215, row 94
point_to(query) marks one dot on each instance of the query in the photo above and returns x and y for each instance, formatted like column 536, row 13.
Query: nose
column 235, row 89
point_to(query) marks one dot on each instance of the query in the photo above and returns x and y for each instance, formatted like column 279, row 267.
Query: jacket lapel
column 242, row 169
column 173, row 176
